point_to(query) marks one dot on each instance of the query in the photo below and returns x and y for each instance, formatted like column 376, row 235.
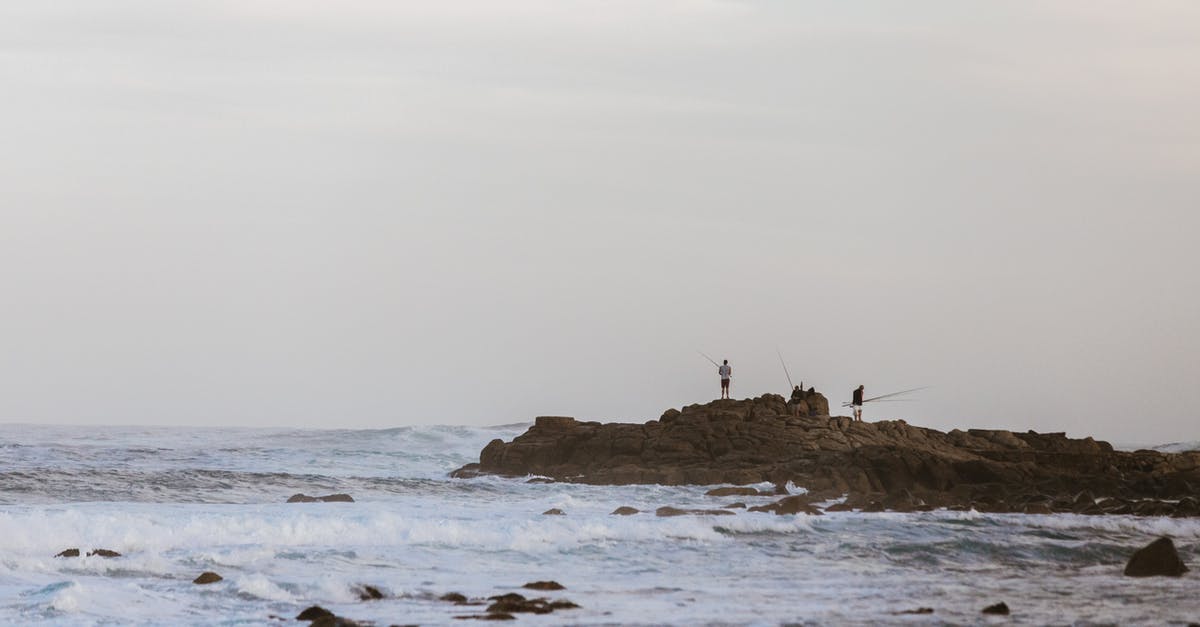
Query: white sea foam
column 416, row 535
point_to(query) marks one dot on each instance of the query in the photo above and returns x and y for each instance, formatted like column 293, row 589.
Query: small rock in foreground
column 624, row 510
column 103, row 553
column 68, row 553
column 491, row 616
column 919, row 610
column 453, row 597
column 207, row 577
column 544, row 585
column 1000, row 608
column 554, row 511
column 1157, row 559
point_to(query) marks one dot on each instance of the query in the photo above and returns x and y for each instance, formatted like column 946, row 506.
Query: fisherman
column 797, row 398
column 725, row 371
column 857, row 402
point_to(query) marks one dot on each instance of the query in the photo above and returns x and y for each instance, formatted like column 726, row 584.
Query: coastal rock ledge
column 883, row 465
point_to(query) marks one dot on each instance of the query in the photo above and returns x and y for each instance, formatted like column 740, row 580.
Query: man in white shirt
column 725, row 371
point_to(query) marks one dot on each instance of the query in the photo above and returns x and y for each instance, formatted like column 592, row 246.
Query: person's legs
column 724, row 388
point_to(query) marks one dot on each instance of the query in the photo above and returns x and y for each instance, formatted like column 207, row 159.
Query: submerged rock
column 739, row 491
column 488, row 616
column 999, row 608
column 554, row 511
column 1157, row 559
column 675, row 511
column 329, row 498
column 368, row 593
column 207, row 577
column 453, row 597
column 789, row 505
column 68, row 553
column 624, row 511
column 103, row 553
column 544, row 585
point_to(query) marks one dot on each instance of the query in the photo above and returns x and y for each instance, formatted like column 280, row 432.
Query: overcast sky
column 374, row 213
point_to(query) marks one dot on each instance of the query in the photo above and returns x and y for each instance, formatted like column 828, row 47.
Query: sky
column 374, row 213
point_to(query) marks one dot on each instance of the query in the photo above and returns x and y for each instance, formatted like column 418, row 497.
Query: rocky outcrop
column 880, row 465
column 1157, row 559
column 207, row 577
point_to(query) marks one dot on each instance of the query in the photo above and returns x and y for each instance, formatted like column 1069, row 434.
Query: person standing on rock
column 797, row 398
column 857, row 402
column 725, row 371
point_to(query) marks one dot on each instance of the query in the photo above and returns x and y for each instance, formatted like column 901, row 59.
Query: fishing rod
column 785, row 370
column 714, row 362
column 883, row 398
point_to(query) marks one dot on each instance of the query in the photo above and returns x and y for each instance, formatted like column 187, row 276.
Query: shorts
column 856, row 407
column 724, row 383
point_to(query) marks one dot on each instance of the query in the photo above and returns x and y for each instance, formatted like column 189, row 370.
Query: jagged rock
column 368, row 593
column 903, row 467
column 68, row 553
column 103, row 553
column 789, row 505
column 207, row 577
column 1159, row 558
column 313, row 613
column 624, row 510
column 329, row 498
column 544, row 585
column 554, row 511
column 675, row 511
column 999, row 608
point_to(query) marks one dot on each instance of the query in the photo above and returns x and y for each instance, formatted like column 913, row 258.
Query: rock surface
column 328, row 498
column 103, row 553
column 1000, row 608
column 1157, row 559
column 207, row 577
column 68, row 553
column 880, row 465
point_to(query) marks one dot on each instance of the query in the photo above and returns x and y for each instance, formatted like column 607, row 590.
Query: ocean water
column 179, row 501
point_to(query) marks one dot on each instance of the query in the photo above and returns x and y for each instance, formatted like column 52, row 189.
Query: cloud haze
column 379, row 213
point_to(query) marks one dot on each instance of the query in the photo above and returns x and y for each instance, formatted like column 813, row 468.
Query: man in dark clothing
column 857, row 403
column 726, row 372
column 797, row 398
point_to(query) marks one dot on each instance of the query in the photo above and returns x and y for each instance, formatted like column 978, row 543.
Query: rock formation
column 880, row 465
column 1157, row 559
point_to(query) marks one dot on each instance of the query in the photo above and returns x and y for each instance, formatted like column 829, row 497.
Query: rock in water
column 313, row 613
column 368, row 593
column 999, row 608
column 554, row 511
column 624, row 510
column 68, row 553
column 1156, row 559
column 207, row 577
column 103, row 553
column 453, row 597
column 544, row 585
column 329, row 498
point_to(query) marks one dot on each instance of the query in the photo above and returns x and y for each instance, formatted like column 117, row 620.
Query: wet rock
column 554, row 511
column 329, row 498
column 453, row 597
column 336, row 621
column 368, row 593
column 624, row 510
column 207, row 577
column 489, row 616
column 734, row 506
column 540, row 480
column 738, row 491
column 789, row 505
column 544, row 585
column 1157, row 559
column 919, row 610
column 840, row 507
column 68, row 553
column 1000, row 608
column 103, row 553
column 667, row 511
column 313, row 613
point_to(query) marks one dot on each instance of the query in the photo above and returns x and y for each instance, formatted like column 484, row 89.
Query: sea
column 175, row 502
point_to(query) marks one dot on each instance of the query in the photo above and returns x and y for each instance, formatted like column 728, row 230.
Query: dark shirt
column 797, row 394
column 857, row 397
